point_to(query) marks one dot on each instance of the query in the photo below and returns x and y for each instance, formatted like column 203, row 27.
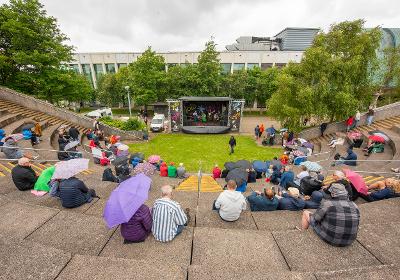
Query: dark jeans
column 179, row 230
column 232, row 151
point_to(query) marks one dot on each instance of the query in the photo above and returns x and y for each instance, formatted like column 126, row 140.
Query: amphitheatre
column 41, row 240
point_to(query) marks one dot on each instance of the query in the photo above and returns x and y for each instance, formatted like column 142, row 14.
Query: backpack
column 309, row 184
column 109, row 176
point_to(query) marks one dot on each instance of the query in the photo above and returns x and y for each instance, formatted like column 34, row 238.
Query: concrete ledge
column 27, row 260
column 383, row 272
column 277, row 220
column 305, row 251
column 380, row 212
column 86, row 267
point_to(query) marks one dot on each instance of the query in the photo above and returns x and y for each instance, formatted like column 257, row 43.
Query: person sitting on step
column 23, row 176
column 230, row 203
column 265, row 201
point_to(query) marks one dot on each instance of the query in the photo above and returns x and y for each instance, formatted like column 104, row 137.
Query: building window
column 120, row 65
column 265, row 66
column 238, row 66
column 170, row 65
column 87, row 72
column 98, row 70
column 74, row 67
column 110, row 68
column 226, row 68
column 184, row 65
column 252, row 65
column 280, row 65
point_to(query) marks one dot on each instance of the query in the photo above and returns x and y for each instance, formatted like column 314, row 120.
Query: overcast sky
column 185, row 25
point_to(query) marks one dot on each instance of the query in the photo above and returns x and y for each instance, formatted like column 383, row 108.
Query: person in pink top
column 216, row 172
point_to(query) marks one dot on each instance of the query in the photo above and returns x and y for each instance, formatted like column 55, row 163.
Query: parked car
column 99, row 113
column 157, row 123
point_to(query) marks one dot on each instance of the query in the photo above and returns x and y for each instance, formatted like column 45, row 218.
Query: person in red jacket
column 216, row 172
column 164, row 169
column 349, row 123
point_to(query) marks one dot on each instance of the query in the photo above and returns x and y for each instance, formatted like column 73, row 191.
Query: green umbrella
column 43, row 180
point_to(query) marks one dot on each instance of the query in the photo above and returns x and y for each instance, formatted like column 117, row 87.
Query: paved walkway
column 250, row 122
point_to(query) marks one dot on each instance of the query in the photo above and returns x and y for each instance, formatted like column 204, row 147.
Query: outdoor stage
column 205, row 115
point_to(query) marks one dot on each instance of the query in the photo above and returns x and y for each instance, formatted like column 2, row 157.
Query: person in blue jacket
column 265, row 201
column 291, row 201
column 350, row 159
column 286, row 178
column 313, row 201
column 275, row 176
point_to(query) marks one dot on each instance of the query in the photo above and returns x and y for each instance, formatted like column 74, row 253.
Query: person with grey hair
column 23, row 176
column 336, row 220
column 230, row 203
column 169, row 219
column 340, row 178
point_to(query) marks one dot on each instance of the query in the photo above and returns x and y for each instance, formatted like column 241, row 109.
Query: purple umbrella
column 126, row 199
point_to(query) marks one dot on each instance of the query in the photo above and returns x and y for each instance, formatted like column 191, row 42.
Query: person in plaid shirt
column 336, row 220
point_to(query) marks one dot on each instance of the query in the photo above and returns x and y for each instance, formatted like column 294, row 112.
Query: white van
column 157, row 123
column 99, row 113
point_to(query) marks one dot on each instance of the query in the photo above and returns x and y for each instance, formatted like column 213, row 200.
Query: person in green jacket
column 172, row 170
column 44, row 179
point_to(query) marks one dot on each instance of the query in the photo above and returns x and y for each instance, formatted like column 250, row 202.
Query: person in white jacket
column 230, row 203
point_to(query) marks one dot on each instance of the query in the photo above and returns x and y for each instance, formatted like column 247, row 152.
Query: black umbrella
column 245, row 164
column 230, row 165
column 27, row 126
column 120, row 161
column 239, row 175
column 276, row 163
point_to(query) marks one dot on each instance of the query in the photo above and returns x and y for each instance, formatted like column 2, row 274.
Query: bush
column 131, row 124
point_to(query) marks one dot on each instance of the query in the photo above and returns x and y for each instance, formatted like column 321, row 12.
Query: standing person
column 261, row 130
column 357, row 118
column 349, row 123
column 169, row 219
column 257, row 132
column 336, row 220
column 96, row 124
column 323, row 127
column 370, row 116
column 271, row 131
column 74, row 133
column 232, row 144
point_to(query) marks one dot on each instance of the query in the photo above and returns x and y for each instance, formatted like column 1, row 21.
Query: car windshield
column 156, row 121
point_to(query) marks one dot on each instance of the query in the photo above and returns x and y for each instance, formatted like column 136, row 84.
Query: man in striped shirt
column 168, row 216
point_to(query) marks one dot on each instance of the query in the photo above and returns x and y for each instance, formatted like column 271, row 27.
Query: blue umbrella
column 126, row 199
column 312, row 166
column 260, row 166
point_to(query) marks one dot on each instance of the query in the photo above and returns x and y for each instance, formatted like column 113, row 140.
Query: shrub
column 130, row 124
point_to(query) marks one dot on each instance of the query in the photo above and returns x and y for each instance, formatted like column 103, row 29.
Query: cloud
column 177, row 25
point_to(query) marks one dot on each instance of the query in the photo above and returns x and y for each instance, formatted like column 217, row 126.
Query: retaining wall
column 48, row 108
column 384, row 112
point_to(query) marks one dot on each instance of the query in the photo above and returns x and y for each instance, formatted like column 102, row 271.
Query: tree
column 333, row 79
column 209, row 70
column 146, row 77
column 31, row 48
column 182, row 81
column 109, row 89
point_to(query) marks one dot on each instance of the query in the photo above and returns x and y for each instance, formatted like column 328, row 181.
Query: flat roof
column 205, row 98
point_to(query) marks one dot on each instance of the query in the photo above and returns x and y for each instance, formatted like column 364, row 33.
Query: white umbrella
column 71, row 145
column 123, row 147
column 69, row 168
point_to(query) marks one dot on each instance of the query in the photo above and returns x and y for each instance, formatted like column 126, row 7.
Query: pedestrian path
column 6, row 167
column 207, row 184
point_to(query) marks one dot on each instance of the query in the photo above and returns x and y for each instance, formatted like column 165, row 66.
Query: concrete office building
column 248, row 52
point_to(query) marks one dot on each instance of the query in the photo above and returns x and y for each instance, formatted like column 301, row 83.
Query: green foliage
column 209, row 70
column 31, row 52
column 109, row 89
column 129, row 125
column 333, row 79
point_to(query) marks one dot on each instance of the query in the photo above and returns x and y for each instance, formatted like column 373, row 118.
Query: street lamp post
column 129, row 101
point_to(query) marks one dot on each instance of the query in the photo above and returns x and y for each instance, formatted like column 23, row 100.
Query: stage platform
column 205, row 129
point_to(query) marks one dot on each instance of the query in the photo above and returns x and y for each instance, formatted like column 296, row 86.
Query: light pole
column 129, row 101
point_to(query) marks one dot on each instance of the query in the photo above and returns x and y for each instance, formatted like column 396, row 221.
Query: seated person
column 336, row 141
column 138, row 227
column 74, row 193
column 164, row 169
column 169, row 219
column 313, row 201
column 230, row 203
column 275, row 176
column 374, row 148
column 181, row 171
column 265, row 201
column 304, row 173
column 350, row 159
column 11, row 149
column 252, row 176
column 336, row 220
column 385, row 189
column 172, row 171
column 23, row 176
column 286, row 178
column 310, row 184
column 291, row 201
column 216, row 172
column 340, row 178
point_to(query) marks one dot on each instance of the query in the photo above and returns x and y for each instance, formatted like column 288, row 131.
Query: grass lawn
column 206, row 150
